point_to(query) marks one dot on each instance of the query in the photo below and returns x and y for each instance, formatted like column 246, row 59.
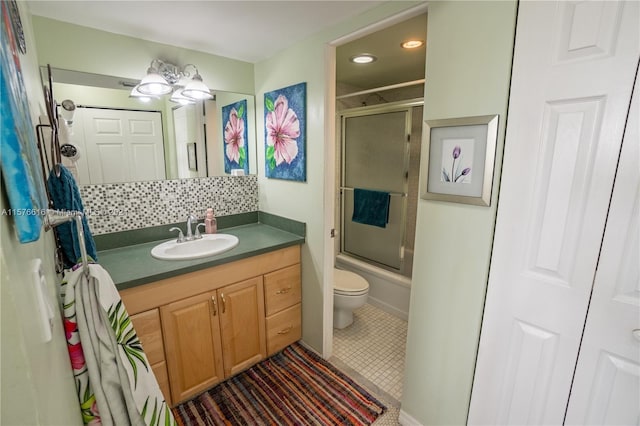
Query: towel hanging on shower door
column 371, row 207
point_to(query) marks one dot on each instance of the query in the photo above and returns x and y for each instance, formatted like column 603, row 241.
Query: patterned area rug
column 294, row 387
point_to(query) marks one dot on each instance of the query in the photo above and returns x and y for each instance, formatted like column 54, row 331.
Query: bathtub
column 388, row 291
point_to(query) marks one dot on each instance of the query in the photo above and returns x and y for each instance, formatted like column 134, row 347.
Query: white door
column 606, row 387
column 123, row 145
column 574, row 66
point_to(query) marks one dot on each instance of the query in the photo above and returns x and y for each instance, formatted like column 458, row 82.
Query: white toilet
column 350, row 291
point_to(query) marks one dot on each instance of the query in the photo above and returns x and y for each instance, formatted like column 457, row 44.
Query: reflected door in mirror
column 117, row 146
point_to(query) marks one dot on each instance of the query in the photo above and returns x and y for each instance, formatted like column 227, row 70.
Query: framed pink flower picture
column 285, row 133
column 236, row 147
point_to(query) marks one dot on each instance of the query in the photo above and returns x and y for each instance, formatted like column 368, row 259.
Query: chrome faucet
column 190, row 236
column 180, row 236
column 190, row 219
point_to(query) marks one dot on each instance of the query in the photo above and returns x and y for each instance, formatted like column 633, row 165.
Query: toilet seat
column 347, row 283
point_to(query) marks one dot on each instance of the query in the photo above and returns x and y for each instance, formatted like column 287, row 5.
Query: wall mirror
column 111, row 137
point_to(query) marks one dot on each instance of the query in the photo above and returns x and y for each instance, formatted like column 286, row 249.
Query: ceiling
column 245, row 30
column 251, row 31
column 394, row 64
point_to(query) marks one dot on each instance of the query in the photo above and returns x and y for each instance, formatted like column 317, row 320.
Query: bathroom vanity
column 213, row 317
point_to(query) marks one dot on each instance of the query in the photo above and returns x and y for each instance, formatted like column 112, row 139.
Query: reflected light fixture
column 412, row 44
column 164, row 78
column 363, row 58
column 140, row 96
column 178, row 97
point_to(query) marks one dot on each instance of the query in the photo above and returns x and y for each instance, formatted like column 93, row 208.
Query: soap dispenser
column 210, row 223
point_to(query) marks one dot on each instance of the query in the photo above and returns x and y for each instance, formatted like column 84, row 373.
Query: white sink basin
column 208, row 245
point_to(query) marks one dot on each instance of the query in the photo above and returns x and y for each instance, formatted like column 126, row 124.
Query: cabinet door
column 149, row 331
column 192, row 345
column 242, row 323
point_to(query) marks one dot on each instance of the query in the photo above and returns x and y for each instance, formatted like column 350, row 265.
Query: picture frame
column 235, row 136
column 19, row 159
column 285, row 133
column 459, row 159
column 192, row 156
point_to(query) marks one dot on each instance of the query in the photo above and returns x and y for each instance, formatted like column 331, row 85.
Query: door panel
column 569, row 98
column 375, row 151
column 606, row 388
column 122, row 145
column 192, row 345
column 242, row 323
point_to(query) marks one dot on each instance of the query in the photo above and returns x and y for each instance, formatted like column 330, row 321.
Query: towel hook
column 57, row 217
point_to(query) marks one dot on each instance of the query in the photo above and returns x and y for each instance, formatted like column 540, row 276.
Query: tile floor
column 372, row 350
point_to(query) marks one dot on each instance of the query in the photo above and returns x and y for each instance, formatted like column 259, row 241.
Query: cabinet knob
column 285, row 330
column 215, row 305
column 224, row 302
column 283, row 290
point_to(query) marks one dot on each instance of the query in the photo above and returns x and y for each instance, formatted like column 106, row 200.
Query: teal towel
column 65, row 196
column 371, row 207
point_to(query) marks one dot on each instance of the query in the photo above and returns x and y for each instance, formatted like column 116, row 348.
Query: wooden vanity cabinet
column 209, row 325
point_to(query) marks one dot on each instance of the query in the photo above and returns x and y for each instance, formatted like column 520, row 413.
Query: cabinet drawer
column 149, row 331
column 282, row 289
column 283, row 329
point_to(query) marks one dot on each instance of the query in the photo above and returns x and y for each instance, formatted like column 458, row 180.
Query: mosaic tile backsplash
column 125, row 206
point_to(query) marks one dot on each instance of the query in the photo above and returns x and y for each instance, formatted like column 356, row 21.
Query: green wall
column 469, row 52
column 37, row 384
column 78, row 48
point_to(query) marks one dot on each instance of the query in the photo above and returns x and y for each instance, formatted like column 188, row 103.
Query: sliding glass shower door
column 375, row 152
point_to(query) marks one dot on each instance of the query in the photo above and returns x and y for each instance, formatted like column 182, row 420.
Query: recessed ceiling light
column 364, row 58
column 412, row 44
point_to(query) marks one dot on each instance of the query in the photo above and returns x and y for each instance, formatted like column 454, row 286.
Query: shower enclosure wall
column 380, row 151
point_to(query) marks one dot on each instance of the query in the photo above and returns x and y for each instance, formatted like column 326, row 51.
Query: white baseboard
column 406, row 420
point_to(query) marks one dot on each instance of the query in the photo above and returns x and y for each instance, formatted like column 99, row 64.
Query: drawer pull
column 224, row 303
column 215, row 306
column 284, row 290
column 285, row 330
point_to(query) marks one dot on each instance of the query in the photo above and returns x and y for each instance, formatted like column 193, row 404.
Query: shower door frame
column 407, row 106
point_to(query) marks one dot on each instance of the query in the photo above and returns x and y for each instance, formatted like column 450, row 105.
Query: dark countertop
column 133, row 265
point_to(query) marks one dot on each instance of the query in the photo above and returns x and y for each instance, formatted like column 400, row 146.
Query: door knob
column 636, row 334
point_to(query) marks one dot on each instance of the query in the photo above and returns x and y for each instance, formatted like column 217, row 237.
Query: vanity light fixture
column 363, row 58
column 412, row 44
column 164, row 78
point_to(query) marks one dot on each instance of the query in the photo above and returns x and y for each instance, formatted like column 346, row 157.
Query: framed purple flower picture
column 285, row 133
column 460, row 155
column 235, row 128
